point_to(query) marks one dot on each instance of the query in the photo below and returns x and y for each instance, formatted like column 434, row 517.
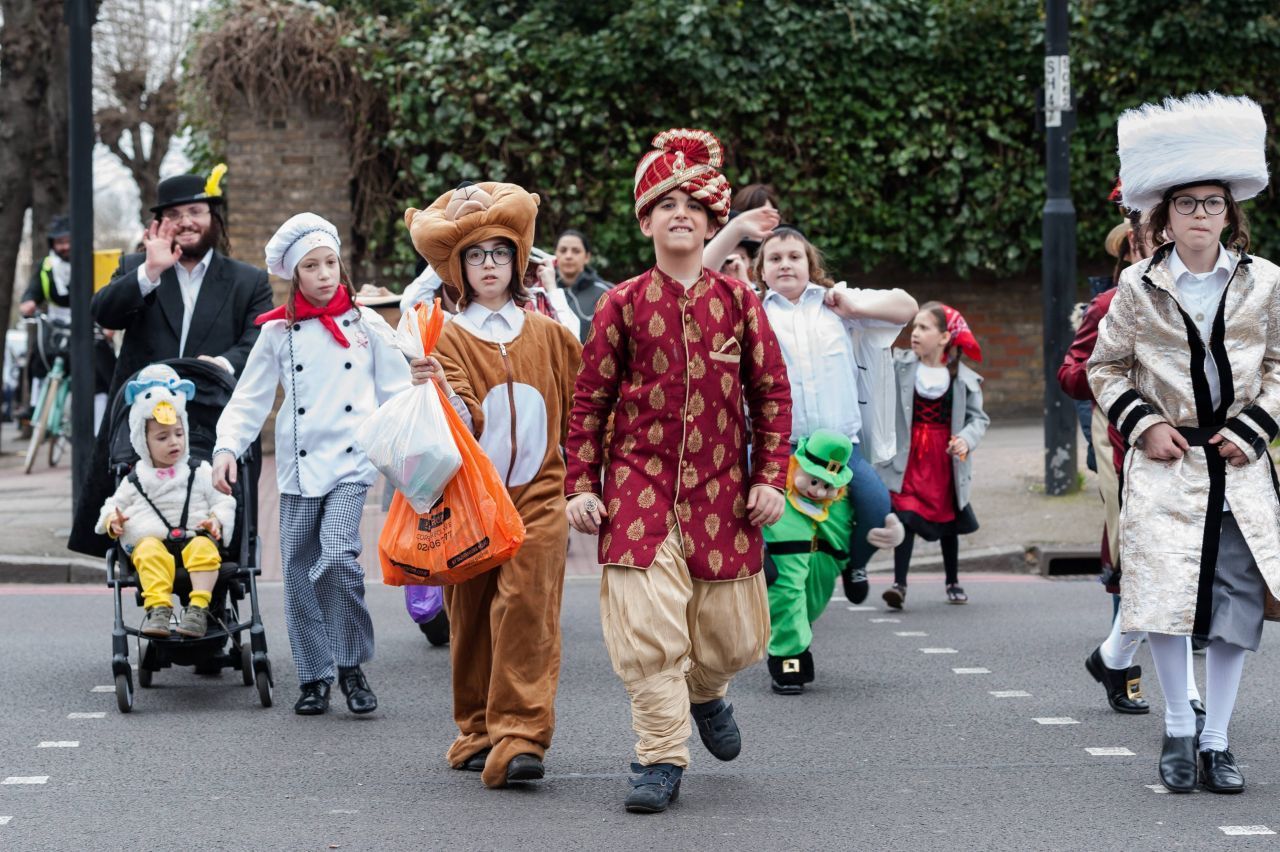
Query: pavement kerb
column 52, row 569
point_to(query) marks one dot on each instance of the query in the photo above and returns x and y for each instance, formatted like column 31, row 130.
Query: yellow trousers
column 677, row 641
column 155, row 567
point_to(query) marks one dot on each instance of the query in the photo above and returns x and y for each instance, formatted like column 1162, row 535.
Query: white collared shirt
column 823, row 352
column 500, row 326
column 189, row 282
column 1200, row 294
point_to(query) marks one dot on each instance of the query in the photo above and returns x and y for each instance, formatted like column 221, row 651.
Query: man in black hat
column 181, row 297
column 51, row 280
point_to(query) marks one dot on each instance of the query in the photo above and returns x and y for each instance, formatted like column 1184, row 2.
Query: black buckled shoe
column 314, row 700
column 786, row 675
column 1219, row 772
column 1123, row 686
column 717, row 728
column 855, row 584
column 475, row 763
column 806, row 666
column 360, row 698
column 656, row 787
column 1197, row 707
column 1178, row 764
column 525, row 767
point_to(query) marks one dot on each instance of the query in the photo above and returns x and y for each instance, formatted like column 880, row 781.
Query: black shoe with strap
column 1219, row 772
column 360, row 698
column 1123, row 686
column 314, row 700
column 655, row 787
column 855, row 584
column 786, row 675
column 717, row 728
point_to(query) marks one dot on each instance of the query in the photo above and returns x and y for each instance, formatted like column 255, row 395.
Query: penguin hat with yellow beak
column 157, row 393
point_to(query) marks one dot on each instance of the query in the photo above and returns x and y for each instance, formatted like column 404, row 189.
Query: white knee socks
column 1118, row 649
column 1224, row 664
column 1170, row 656
column 1193, row 694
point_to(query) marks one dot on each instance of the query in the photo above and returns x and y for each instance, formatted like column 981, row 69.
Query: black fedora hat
column 187, row 189
column 59, row 226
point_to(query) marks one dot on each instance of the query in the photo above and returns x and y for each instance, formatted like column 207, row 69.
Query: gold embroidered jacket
column 1149, row 367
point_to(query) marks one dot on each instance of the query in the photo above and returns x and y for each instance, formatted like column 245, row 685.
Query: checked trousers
column 324, row 606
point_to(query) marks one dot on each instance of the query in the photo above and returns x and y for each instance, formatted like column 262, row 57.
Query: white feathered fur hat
column 157, row 394
column 1199, row 138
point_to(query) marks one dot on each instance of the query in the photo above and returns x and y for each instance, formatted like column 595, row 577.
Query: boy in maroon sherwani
column 674, row 354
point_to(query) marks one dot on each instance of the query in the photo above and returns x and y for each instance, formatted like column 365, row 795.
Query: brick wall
column 279, row 165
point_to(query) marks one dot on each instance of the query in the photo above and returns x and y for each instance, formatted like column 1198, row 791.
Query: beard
column 209, row 238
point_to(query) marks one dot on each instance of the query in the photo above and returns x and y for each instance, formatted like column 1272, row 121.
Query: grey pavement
column 890, row 749
column 1008, row 498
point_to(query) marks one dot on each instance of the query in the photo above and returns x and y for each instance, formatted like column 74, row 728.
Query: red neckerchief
column 304, row 310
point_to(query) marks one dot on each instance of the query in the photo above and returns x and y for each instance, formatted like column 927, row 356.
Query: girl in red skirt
column 929, row 478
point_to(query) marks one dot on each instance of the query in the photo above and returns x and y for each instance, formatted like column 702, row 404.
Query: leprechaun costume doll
column 808, row 547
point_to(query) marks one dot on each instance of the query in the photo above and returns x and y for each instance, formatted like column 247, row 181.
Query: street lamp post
column 79, row 17
column 1059, row 253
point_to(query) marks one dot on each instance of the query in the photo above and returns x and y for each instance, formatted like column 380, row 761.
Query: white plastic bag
column 408, row 439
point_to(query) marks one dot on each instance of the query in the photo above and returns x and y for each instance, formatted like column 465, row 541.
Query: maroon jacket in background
column 1073, row 375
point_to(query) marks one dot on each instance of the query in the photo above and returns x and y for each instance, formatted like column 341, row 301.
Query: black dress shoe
column 1123, row 686
column 475, row 763
column 1197, row 707
column 1219, row 772
column 786, row 675
column 717, row 728
column 314, row 699
column 855, row 584
column 657, row 787
column 1178, row 764
column 360, row 698
column 525, row 767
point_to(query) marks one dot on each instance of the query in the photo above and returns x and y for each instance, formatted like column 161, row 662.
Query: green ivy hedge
column 901, row 133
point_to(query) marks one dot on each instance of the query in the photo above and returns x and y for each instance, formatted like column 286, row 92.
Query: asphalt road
column 890, row 749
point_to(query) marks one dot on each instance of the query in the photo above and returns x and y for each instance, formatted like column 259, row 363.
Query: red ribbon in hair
column 304, row 310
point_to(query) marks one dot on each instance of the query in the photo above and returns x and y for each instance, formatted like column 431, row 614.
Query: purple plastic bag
column 423, row 602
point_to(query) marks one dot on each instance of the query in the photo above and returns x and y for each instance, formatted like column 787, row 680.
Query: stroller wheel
column 437, row 629
column 262, row 671
column 124, row 692
column 246, row 663
column 146, row 662
column 144, row 677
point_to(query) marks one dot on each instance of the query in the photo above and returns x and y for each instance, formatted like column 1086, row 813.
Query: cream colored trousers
column 1108, row 481
column 675, row 641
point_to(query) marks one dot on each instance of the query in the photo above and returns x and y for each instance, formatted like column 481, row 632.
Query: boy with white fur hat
column 337, row 364
column 1187, row 367
column 168, row 506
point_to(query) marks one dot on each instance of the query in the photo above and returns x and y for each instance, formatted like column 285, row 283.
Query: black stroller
column 237, row 577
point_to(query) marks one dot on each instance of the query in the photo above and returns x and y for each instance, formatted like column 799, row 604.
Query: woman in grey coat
column 939, row 422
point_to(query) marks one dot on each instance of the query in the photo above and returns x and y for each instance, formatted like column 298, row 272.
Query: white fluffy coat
column 168, row 495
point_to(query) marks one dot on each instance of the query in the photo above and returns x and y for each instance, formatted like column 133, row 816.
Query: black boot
column 1219, row 772
column 806, row 666
column 787, row 674
column 657, row 787
column 1123, row 686
column 360, row 698
column 314, row 700
column 1178, row 764
column 717, row 728
column 855, row 583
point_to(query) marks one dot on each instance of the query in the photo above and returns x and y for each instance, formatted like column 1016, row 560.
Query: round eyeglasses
column 476, row 256
column 1214, row 205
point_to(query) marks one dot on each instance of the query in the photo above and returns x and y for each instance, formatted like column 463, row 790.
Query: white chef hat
column 1197, row 139
column 299, row 235
column 157, row 393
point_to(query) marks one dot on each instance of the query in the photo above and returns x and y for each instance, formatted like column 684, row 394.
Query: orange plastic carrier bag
column 473, row 528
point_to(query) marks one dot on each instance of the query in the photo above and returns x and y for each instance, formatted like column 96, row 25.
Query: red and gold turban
column 688, row 160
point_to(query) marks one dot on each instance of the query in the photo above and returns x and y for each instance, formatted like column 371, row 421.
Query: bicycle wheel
column 60, row 425
column 38, row 427
column 57, row 448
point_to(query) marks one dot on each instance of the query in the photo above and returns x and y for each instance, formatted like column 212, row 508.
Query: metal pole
column 79, row 15
column 1059, row 254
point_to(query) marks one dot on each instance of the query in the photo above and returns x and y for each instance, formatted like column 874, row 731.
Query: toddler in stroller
column 167, row 506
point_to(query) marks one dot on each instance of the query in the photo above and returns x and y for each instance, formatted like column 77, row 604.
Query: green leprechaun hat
column 825, row 455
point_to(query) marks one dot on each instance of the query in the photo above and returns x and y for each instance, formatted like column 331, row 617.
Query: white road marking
column 86, row 715
column 975, row 670
column 103, row 689
column 909, row 633
column 59, row 744
column 861, row 608
column 939, row 651
column 1055, row 720
column 343, row 811
column 4, row 820
column 1237, row 830
column 25, row 779
column 1110, row 751
column 1010, row 693
column 1156, row 788
column 886, row 621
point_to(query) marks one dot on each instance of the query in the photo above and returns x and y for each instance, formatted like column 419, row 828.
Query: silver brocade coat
column 1149, row 367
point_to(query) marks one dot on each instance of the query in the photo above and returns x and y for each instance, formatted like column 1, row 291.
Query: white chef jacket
column 329, row 391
